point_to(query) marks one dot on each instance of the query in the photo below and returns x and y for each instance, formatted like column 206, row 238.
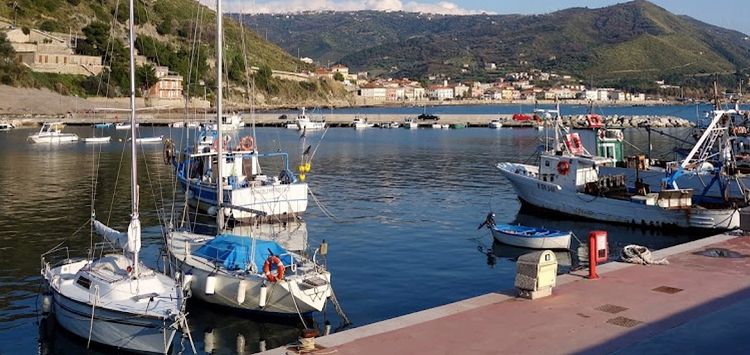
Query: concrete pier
column 696, row 304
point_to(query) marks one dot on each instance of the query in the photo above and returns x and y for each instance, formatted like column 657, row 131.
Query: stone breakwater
column 580, row 121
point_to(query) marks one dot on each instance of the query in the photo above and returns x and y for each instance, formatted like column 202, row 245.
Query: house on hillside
column 51, row 53
column 168, row 86
column 372, row 92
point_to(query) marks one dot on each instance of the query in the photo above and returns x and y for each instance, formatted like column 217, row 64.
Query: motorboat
column 496, row 124
column 123, row 126
column 112, row 298
column 393, row 124
column 410, row 123
column 148, row 140
column 4, row 126
column 103, row 125
column 306, row 123
column 361, row 123
column 51, row 132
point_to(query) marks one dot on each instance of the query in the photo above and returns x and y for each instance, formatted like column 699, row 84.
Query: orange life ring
column 247, row 143
column 273, row 259
column 563, row 167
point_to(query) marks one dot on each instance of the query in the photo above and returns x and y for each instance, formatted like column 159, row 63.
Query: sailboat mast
column 133, row 151
column 220, row 149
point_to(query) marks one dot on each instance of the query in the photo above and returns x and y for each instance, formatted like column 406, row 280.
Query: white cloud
column 280, row 6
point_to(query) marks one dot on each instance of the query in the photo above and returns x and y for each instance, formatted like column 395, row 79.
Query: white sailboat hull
column 121, row 330
column 97, row 140
column 287, row 297
column 553, row 197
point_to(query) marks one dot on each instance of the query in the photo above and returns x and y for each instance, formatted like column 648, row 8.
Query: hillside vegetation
column 629, row 42
column 175, row 33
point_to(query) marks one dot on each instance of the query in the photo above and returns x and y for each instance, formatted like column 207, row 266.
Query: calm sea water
column 688, row 111
column 406, row 206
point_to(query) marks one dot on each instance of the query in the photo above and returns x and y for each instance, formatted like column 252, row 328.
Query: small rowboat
column 530, row 237
column 97, row 139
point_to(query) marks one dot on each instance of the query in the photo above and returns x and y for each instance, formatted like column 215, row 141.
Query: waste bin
column 536, row 274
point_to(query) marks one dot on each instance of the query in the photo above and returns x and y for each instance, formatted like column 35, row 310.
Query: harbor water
column 404, row 206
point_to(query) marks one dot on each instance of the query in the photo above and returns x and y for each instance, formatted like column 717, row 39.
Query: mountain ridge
column 635, row 40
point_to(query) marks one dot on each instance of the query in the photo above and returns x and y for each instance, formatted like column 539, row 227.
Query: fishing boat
column 496, row 124
column 305, row 123
column 231, row 122
column 393, row 124
column 92, row 140
column 103, row 125
column 243, row 272
column 114, row 299
column 568, row 180
column 457, row 126
column 712, row 166
column 410, row 123
column 6, row 126
column 361, row 123
column 51, row 132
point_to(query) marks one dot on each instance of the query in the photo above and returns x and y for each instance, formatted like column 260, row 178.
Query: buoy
column 241, row 289
column 240, row 344
column 210, row 284
column 208, row 341
column 302, row 177
column 187, row 281
column 46, row 303
column 263, row 295
column 324, row 248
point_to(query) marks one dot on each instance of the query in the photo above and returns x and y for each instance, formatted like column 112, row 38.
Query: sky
column 732, row 14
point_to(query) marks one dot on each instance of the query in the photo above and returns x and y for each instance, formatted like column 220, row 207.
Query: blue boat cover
column 234, row 252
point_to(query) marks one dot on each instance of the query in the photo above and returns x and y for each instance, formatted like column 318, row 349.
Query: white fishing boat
column 567, row 180
column 231, row 122
column 410, row 123
column 527, row 237
column 496, row 124
column 361, row 123
column 440, row 126
column 4, row 126
column 92, row 140
column 51, row 132
column 306, row 123
column 243, row 272
column 114, row 299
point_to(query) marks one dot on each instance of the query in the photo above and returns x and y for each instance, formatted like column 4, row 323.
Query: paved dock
column 696, row 304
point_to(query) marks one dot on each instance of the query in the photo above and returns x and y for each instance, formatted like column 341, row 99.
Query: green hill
column 166, row 34
column 634, row 41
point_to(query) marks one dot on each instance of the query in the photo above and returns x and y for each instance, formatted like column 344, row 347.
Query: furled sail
column 130, row 241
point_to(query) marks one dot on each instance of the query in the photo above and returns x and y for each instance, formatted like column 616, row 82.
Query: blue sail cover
column 235, row 252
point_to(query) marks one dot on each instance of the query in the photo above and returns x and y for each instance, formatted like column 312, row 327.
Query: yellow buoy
column 302, row 177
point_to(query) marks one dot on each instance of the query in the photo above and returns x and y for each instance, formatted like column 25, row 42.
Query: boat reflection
column 512, row 253
column 213, row 332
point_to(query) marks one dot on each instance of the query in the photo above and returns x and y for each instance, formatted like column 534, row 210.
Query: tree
column 166, row 26
column 145, row 77
column 338, row 76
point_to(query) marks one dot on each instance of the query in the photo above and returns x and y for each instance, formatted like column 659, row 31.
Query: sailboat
column 243, row 272
column 114, row 299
